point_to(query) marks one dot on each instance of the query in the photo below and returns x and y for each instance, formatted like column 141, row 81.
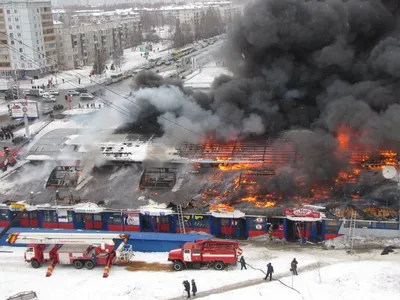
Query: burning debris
column 317, row 80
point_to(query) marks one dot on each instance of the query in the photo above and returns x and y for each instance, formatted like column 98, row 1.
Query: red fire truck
column 218, row 253
column 77, row 249
column 9, row 157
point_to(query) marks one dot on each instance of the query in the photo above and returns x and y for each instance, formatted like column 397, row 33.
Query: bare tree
column 100, row 61
column 187, row 33
column 178, row 41
column 136, row 39
column 117, row 59
column 152, row 38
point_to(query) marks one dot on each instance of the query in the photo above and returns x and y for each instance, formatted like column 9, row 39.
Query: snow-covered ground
column 33, row 128
column 203, row 78
column 332, row 274
column 131, row 60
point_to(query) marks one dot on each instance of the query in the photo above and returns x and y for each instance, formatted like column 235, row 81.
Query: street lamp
column 390, row 172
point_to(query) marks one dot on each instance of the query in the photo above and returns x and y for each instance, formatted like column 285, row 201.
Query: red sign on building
column 302, row 212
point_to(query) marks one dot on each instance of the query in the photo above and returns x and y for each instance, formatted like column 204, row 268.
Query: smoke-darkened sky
column 316, row 65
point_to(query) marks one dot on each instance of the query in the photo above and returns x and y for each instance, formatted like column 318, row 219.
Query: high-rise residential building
column 108, row 32
column 27, row 38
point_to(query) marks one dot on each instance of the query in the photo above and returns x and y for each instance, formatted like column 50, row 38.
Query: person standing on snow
column 242, row 263
column 293, row 266
column 194, row 288
column 186, row 284
column 270, row 270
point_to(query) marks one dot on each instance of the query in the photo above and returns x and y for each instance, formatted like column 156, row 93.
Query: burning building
column 309, row 116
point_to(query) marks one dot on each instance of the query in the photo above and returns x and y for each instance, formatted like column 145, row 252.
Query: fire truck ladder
column 352, row 229
column 120, row 255
column 181, row 221
column 53, row 260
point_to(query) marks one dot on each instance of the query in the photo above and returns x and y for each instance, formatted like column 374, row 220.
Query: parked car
column 47, row 111
column 148, row 67
column 108, row 81
column 19, row 122
column 81, row 90
column 54, row 92
column 58, row 107
column 167, row 63
column 73, row 93
column 86, row 96
column 159, row 63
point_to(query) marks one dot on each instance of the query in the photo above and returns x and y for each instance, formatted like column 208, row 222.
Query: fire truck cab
column 218, row 253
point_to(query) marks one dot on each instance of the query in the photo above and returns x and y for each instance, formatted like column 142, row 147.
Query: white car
column 86, row 96
column 54, row 92
column 47, row 111
column 46, row 97
column 73, row 93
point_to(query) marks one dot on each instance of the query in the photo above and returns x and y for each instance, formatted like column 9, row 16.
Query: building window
column 38, row 10
column 22, row 65
column 9, row 19
column 22, row 58
column 50, row 216
column 18, row 27
column 10, row 27
column 8, row 11
column 21, row 50
column 12, row 43
column 15, row 11
column 19, row 35
column 16, row 19
column 38, row 49
column 11, row 35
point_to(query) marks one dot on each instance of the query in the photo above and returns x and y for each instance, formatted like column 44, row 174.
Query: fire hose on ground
column 276, row 279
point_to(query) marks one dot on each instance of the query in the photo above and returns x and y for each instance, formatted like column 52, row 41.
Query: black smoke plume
column 296, row 64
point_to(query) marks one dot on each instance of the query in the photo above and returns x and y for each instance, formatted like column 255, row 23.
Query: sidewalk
column 70, row 79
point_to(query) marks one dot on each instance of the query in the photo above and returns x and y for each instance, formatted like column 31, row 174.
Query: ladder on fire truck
column 350, row 235
column 121, row 254
column 181, row 221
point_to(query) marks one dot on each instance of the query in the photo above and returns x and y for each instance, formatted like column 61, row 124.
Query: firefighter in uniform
column 186, row 284
column 242, row 263
column 194, row 288
column 270, row 270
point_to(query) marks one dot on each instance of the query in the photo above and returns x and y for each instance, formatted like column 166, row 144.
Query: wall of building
column 77, row 45
column 31, row 38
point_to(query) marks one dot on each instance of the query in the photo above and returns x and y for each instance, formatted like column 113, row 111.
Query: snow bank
column 365, row 280
column 340, row 242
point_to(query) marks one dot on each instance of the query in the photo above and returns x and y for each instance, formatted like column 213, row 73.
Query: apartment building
column 76, row 45
column 192, row 13
column 27, row 38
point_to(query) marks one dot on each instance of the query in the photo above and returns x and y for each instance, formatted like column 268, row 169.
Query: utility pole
column 24, row 108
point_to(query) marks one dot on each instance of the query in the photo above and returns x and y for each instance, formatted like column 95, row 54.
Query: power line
column 105, row 87
column 106, row 102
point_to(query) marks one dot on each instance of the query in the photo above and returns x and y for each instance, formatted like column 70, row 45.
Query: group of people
column 270, row 268
column 89, row 105
column 6, row 134
column 186, row 285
